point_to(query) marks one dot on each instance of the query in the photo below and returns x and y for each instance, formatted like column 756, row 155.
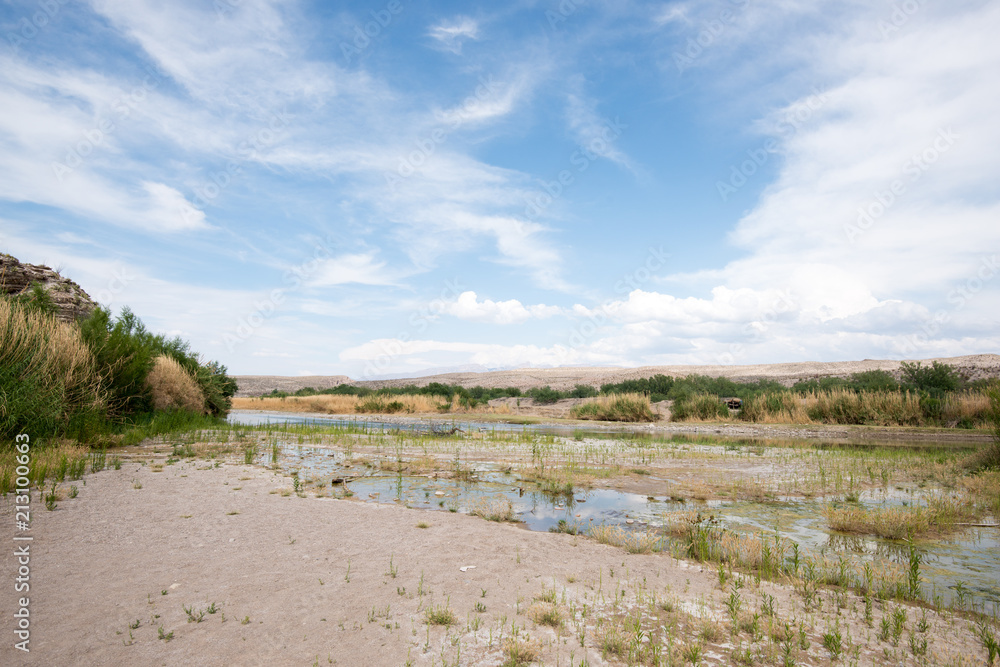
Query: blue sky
column 386, row 187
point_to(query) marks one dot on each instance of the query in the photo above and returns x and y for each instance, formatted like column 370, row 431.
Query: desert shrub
column 37, row 299
column 545, row 395
column 936, row 378
column 48, row 377
column 124, row 357
column 172, row 387
column 874, row 381
column 616, row 407
column 125, row 352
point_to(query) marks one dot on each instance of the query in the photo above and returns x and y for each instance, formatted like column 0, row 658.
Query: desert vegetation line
column 96, row 379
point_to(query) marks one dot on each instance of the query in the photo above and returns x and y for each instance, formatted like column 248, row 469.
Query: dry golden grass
column 173, row 387
column 42, row 347
column 940, row 515
column 877, row 408
column 375, row 404
column 616, row 407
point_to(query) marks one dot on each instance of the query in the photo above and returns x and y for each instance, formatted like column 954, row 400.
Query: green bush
column 936, row 378
column 125, row 351
column 545, row 395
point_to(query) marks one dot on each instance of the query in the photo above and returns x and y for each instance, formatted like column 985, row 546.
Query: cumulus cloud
column 468, row 307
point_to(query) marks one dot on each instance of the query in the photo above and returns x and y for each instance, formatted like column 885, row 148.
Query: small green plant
column 51, row 498
column 245, row 621
column 767, row 605
column 347, row 576
column 73, row 491
column 134, row 625
column 441, row 616
column 480, row 608
column 988, row 640
column 136, row 484
column 165, row 636
column 393, row 570
column 692, row 654
column 833, row 642
column 192, row 615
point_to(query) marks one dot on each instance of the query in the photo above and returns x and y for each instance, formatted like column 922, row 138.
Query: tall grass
column 173, row 387
column 616, row 407
column 940, row 515
column 968, row 409
column 699, row 407
column 989, row 456
column 48, row 377
column 346, row 404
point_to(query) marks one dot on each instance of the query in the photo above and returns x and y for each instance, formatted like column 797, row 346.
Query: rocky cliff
column 70, row 300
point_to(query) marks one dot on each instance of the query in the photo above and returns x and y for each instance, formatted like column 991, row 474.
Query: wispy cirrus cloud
column 451, row 34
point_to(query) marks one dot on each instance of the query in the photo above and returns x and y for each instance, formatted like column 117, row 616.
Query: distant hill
column 974, row 366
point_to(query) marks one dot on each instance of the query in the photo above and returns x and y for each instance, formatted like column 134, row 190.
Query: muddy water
column 971, row 557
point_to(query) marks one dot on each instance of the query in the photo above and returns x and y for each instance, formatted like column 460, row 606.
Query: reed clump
column 966, row 409
column 617, row 408
column 173, row 388
column 48, row 377
column 633, row 541
column 497, row 508
column 941, row 514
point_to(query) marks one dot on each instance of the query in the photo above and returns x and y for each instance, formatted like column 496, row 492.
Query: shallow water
column 971, row 556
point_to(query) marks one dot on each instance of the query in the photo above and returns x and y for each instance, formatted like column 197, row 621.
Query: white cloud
column 468, row 307
column 354, row 268
column 452, row 34
column 596, row 134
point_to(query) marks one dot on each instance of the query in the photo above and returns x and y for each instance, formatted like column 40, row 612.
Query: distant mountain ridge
column 974, row 366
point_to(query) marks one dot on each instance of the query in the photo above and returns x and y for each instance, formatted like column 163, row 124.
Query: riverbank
column 168, row 558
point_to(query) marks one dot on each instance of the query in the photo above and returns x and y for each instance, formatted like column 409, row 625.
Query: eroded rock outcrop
column 70, row 300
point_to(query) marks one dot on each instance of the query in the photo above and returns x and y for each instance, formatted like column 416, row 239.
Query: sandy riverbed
column 307, row 580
